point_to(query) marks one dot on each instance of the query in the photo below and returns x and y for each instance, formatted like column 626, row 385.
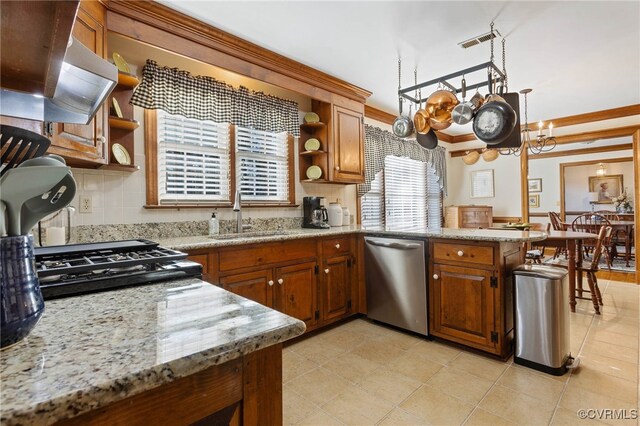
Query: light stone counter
column 90, row 351
column 203, row 241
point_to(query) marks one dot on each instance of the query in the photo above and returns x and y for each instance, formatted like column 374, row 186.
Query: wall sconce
column 602, row 170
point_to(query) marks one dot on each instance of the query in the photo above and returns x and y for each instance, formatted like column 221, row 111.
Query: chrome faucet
column 237, row 207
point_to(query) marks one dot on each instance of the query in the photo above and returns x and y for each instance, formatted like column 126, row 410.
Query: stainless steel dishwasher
column 396, row 271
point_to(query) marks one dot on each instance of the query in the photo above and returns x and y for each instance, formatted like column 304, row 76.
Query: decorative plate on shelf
column 311, row 117
column 121, row 63
column 121, row 154
column 116, row 108
column 312, row 144
column 314, row 172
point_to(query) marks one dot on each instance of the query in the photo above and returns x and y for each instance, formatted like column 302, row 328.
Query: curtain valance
column 205, row 98
column 379, row 143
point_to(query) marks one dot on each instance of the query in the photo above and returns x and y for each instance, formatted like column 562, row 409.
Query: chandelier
column 540, row 144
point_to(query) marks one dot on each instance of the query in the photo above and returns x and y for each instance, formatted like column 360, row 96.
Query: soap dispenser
column 214, row 225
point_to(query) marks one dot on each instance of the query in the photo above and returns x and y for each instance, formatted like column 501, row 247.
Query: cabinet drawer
column 335, row 246
column 463, row 253
column 265, row 254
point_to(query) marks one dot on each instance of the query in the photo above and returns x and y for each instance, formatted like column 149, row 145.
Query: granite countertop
column 92, row 350
column 203, row 241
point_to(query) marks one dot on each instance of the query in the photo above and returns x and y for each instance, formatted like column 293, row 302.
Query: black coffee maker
column 315, row 215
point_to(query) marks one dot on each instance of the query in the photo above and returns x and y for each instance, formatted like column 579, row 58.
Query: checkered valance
column 379, row 143
column 205, row 98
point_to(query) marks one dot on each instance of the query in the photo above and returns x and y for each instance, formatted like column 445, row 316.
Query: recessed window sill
column 215, row 206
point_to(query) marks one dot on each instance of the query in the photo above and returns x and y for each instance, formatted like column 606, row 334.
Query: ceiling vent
column 479, row 39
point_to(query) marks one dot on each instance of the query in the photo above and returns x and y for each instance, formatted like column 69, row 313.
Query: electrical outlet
column 86, row 204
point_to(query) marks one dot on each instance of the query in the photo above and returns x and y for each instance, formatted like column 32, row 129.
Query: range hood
column 85, row 82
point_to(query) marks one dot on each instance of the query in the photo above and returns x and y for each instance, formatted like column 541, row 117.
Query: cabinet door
column 462, row 305
column 85, row 142
column 257, row 286
column 336, row 300
column 348, row 146
column 297, row 291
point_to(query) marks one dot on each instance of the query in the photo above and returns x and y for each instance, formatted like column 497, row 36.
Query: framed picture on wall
column 534, row 200
column 482, row 184
column 607, row 187
column 535, row 185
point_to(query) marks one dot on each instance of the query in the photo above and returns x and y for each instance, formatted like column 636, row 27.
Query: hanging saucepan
column 439, row 106
column 463, row 112
column 403, row 126
column 428, row 140
column 421, row 120
column 495, row 120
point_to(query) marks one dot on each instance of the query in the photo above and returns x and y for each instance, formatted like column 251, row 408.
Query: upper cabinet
column 85, row 144
column 341, row 137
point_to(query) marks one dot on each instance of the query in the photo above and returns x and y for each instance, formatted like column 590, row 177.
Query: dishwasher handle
column 398, row 246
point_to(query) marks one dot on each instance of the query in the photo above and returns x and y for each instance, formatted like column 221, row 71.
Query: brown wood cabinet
column 341, row 136
column 312, row 279
column 471, row 293
column 468, row 216
column 84, row 144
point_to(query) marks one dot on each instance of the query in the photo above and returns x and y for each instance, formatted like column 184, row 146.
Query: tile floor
column 361, row 373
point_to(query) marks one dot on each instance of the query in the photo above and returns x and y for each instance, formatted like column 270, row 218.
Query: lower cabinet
column 296, row 292
column 257, row 286
column 336, row 287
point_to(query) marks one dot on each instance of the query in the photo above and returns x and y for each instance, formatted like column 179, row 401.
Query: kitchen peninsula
column 175, row 352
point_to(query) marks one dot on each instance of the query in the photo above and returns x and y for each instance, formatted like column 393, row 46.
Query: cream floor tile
column 319, row 385
column 378, row 351
column 510, row 404
column 562, row 379
column 399, row 417
column 436, row 407
column 564, row 417
column 365, row 327
column 611, row 366
column 579, row 319
column 416, row 365
column 460, row 384
column 479, row 366
column 293, row 365
column 343, row 340
column 532, row 384
column 295, row 407
column 626, row 328
column 610, row 350
column 615, row 338
column 351, row 366
column 481, row 417
column 320, row 418
column 357, row 407
column 399, row 339
column 316, row 350
column 576, row 398
column 604, row 384
column 389, row 385
column 434, row 351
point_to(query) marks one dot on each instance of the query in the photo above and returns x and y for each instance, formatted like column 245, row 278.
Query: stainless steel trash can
column 542, row 318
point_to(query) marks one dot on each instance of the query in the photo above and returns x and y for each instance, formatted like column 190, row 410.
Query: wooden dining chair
column 591, row 223
column 618, row 236
column 556, row 224
column 590, row 269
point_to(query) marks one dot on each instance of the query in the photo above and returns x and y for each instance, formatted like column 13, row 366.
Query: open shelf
column 123, row 123
column 317, row 152
column 120, row 167
column 314, row 181
column 127, row 80
column 313, row 126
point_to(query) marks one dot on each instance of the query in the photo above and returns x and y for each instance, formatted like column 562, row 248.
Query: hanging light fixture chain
column 492, row 37
column 504, row 65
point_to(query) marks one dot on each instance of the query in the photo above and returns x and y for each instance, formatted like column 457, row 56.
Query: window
column 191, row 163
column 262, row 165
column 193, row 159
column 405, row 195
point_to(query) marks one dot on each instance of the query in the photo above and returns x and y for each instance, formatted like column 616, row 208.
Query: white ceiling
column 577, row 57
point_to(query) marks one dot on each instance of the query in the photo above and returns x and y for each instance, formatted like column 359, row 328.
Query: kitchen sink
column 256, row 234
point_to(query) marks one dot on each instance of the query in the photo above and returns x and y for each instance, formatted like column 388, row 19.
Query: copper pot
column 439, row 106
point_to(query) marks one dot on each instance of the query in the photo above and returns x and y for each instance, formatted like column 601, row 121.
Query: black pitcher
column 21, row 303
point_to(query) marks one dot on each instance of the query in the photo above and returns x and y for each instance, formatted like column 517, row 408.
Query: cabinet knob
column 270, row 282
column 280, row 281
column 326, row 271
column 338, row 168
column 101, row 139
column 338, row 245
column 435, row 276
column 460, row 253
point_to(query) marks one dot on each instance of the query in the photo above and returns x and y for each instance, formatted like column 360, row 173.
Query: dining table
column 617, row 225
column 572, row 241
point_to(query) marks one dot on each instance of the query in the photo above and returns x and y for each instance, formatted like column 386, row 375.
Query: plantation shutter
column 372, row 204
column 262, row 167
column 193, row 160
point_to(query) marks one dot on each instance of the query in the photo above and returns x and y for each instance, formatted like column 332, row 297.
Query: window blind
column 193, row 159
column 262, row 166
column 372, row 204
column 405, row 194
